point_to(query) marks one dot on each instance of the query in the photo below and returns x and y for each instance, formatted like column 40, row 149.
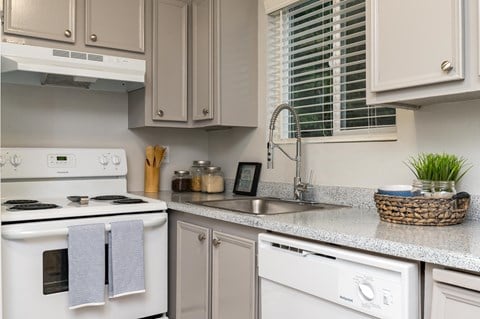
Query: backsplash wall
column 63, row 117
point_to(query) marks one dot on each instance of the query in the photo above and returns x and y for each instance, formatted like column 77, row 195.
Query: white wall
column 453, row 127
column 61, row 117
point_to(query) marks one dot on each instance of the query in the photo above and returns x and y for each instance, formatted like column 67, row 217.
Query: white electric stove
column 45, row 190
column 49, row 176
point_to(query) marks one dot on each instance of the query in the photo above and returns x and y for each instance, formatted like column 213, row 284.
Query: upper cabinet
column 413, row 45
column 422, row 52
column 123, row 29
column 46, row 19
column 163, row 102
column 202, row 64
column 169, row 60
column 222, row 66
column 113, row 27
column 224, row 63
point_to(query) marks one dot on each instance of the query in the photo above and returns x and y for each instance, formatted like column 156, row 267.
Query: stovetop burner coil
column 20, row 201
column 34, row 206
column 109, row 197
column 129, row 201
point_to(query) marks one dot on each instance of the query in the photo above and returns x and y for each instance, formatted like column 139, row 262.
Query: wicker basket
column 421, row 211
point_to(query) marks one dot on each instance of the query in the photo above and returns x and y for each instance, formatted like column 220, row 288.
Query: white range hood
column 32, row 65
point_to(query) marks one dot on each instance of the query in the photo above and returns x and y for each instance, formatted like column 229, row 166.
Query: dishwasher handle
column 29, row 234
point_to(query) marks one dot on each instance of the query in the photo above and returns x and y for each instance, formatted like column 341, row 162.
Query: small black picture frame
column 246, row 180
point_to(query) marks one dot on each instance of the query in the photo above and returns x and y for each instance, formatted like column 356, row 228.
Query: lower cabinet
column 451, row 294
column 216, row 273
column 455, row 295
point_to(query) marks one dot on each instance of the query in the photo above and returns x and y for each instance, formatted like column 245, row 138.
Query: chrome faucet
column 299, row 187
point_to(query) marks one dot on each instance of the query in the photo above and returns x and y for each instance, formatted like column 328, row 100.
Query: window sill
column 386, row 137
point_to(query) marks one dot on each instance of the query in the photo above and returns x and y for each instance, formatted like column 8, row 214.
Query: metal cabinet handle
column 67, row 33
column 160, row 113
column 205, row 111
column 446, row 66
column 216, row 242
column 202, row 237
column 93, row 37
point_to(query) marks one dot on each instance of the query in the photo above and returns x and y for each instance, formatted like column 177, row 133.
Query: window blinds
column 317, row 64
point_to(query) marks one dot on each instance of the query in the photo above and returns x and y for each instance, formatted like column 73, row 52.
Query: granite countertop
column 453, row 246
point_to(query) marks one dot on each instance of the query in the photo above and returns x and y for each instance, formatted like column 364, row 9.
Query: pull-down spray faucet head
column 299, row 186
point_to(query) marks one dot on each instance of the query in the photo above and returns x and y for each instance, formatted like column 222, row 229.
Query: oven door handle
column 28, row 234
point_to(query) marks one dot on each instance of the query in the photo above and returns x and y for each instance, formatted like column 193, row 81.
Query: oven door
column 35, row 271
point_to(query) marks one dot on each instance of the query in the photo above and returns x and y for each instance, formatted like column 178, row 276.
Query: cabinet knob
column 216, row 242
column 202, row 237
column 446, row 66
column 67, row 33
column 160, row 113
column 205, row 111
column 93, row 37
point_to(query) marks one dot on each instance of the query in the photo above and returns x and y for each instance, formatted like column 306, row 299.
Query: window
column 317, row 65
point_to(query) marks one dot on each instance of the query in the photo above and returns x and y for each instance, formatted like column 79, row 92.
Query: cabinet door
column 170, row 60
column 192, row 271
column 45, row 19
column 233, row 277
column 115, row 24
column 415, row 43
column 455, row 295
column 450, row 302
column 202, row 65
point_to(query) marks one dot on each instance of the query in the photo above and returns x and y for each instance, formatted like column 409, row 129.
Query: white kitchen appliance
column 33, row 65
column 301, row 279
column 35, row 215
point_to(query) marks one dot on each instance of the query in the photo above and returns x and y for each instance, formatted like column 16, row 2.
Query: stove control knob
column 116, row 160
column 15, row 160
column 104, row 160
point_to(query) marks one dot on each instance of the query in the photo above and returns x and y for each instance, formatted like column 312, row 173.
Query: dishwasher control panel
column 377, row 291
column 301, row 279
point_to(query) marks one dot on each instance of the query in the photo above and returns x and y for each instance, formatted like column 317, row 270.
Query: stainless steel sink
column 265, row 206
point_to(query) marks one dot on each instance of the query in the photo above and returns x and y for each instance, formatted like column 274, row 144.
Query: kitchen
column 34, row 116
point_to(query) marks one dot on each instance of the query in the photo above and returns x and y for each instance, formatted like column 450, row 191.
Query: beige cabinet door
column 202, row 64
column 414, row 43
column 455, row 295
column 193, row 244
column 45, row 19
column 115, row 24
column 233, row 277
column 170, row 60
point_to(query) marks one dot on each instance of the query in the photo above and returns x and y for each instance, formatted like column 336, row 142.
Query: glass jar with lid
column 197, row 170
column 212, row 180
column 181, row 181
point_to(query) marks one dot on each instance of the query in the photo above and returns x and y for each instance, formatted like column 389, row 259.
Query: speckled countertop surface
column 454, row 246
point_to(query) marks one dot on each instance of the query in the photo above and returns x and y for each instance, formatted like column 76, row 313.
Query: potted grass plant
column 437, row 174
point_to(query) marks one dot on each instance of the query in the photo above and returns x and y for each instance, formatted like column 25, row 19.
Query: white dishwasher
column 301, row 279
